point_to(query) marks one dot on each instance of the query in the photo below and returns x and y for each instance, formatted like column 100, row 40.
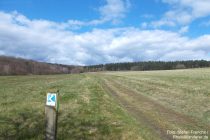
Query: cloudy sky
column 86, row 32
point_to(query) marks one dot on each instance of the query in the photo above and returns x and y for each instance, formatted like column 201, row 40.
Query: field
column 107, row 105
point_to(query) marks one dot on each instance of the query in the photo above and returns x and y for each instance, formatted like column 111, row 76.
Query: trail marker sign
column 51, row 99
column 51, row 110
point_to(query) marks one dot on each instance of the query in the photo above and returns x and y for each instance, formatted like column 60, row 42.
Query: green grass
column 86, row 111
column 186, row 91
column 109, row 105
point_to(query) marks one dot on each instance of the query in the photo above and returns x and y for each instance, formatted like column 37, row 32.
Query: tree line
column 19, row 66
column 148, row 65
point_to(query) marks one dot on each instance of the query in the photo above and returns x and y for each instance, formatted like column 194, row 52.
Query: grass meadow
column 107, row 105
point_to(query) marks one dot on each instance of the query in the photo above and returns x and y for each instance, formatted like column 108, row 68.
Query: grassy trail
column 107, row 106
column 154, row 119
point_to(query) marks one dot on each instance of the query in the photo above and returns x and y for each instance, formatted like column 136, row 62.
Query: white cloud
column 51, row 42
column 184, row 29
column 113, row 11
column 161, row 22
column 183, row 12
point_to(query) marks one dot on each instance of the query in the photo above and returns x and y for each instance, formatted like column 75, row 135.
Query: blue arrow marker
column 53, row 98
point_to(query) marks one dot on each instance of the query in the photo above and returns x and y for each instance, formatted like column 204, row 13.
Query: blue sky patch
column 105, row 31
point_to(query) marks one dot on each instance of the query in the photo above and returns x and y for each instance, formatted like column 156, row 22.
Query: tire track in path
column 154, row 117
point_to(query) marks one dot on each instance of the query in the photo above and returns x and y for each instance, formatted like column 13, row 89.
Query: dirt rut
column 154, row 117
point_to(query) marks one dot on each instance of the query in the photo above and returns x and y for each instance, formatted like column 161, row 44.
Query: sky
column 88, row 32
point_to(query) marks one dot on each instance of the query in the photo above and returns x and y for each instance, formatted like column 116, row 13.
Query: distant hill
column 19, row 66
column 149, row 65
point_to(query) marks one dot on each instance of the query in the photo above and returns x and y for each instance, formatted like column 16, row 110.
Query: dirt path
column 153, row 117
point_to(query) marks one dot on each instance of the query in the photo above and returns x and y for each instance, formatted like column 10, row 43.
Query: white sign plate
column 51, row 99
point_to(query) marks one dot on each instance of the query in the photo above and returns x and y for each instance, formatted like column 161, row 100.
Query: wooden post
column 51, row 109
